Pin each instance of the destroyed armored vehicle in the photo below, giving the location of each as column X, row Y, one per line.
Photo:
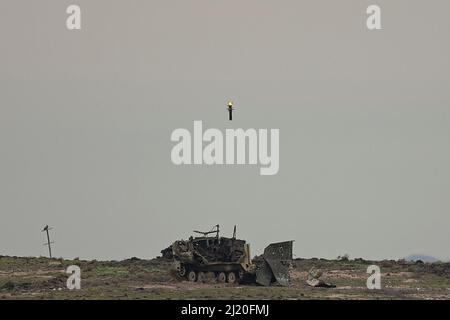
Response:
column 228, row 259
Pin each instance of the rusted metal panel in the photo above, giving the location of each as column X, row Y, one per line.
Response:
column 281, row 251
column 280, row 271
column 264, row 274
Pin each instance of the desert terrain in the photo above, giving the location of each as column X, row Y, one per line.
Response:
column 44, row 278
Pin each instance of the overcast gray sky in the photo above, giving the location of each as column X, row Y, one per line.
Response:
column 86, row 118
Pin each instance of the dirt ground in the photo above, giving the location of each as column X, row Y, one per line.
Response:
column 43, row 278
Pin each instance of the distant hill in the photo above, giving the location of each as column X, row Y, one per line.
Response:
column 424, row 258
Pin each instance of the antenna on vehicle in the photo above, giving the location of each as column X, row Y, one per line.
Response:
column 46, row 229
column 216, row 231
column 234, row 232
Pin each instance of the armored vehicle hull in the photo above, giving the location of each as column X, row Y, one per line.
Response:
column 228, row 260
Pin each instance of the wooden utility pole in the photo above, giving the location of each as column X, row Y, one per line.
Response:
column 46, row 229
